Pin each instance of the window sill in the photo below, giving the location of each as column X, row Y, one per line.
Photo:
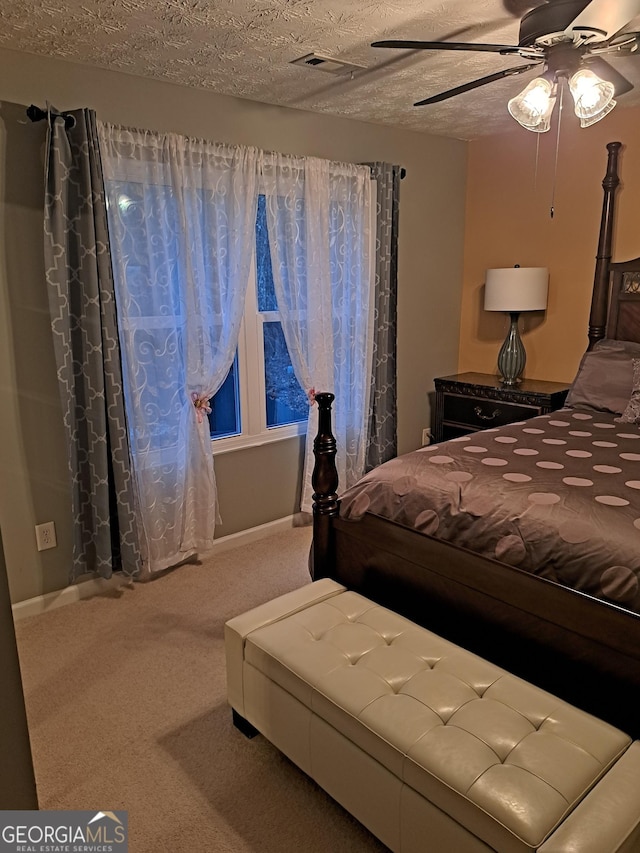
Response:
column 241, row 442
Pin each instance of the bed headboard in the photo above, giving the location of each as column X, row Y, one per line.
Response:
column 624, row 302
column 615, row 303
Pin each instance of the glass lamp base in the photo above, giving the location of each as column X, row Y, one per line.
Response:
column 512, row 356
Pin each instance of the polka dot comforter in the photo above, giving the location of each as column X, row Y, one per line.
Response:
column 557, row 495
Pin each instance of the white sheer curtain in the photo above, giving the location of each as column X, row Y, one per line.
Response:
column 319, row 217
column 182, row 218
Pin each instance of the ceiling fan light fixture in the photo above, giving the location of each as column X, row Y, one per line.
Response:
column 592, row 96
column 587, row 122
column 532, row 108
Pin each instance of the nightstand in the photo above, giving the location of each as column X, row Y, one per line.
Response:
column 468, row 402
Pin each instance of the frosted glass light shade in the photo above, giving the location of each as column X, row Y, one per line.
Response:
column 593, row 96
column 516, row 289
column 587, row 122
column 532, row 108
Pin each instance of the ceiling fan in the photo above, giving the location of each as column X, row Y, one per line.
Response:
column 569, row 39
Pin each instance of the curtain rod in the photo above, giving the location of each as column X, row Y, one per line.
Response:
column 38, row 114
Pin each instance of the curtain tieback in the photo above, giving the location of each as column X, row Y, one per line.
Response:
column 201, row 404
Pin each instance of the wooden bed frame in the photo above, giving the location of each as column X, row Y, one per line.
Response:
column 581, row 648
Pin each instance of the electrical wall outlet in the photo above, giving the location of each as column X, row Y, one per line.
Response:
column 426, row 436
column 46, row 535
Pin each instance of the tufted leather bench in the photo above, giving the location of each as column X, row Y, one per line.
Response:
column 429, row 746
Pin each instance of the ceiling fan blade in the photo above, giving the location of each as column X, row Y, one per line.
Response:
column 607, row 72
column 482, row 81
column 608, row 16
column 446, row 45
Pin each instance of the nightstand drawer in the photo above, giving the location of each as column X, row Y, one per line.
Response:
column 468, row 402
column 479, row 413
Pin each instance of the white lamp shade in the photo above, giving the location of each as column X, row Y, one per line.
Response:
column 516, row 289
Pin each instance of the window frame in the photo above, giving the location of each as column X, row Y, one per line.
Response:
column 251, row 380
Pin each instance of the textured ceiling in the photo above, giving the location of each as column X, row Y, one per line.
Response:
column 244, row 48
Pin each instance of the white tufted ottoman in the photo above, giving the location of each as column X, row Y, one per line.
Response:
column 429, row 746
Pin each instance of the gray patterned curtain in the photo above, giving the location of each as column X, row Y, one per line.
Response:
column 382, row 444
column 85, row 337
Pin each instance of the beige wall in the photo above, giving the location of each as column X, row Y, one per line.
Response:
column 33, row 476
column 508, row 222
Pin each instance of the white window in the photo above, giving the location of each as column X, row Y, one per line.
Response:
column 261, row 399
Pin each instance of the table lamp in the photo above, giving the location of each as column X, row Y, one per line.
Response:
column 512, row 290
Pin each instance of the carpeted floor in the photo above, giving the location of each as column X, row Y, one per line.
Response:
column 126, row 701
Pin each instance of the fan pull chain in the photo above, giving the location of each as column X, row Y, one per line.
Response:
column 535, row 171
column 555, row 167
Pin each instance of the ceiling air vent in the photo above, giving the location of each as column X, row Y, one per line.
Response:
column 326, row 63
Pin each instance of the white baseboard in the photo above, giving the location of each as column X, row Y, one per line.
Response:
column 244, row 537
column 98, row 586
column 60, row 597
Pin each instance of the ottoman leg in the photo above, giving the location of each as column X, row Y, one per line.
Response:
column 244, row 725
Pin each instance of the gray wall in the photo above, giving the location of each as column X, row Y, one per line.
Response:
column 33, row 473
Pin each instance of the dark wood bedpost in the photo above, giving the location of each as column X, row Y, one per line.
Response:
column 325, row 482
column 600, row 297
